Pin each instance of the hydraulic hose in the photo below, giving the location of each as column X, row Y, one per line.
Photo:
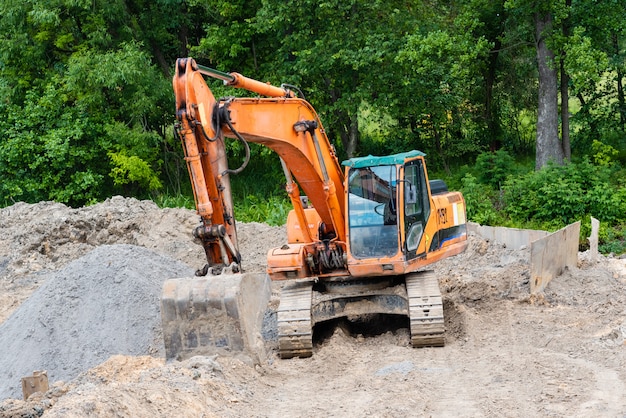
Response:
column 240, row 138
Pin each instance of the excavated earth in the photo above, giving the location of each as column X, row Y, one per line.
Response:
column 79, row 298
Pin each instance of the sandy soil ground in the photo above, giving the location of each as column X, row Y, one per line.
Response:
column 507, row 353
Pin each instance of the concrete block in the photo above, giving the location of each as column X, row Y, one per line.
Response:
column 593, row 239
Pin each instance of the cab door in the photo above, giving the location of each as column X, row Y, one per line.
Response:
column 416, row 209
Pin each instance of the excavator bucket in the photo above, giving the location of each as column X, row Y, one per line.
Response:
column 213, row 314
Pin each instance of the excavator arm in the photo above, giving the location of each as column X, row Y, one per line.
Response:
column 284, row 123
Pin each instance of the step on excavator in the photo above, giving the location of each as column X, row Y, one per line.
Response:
column 359, row 237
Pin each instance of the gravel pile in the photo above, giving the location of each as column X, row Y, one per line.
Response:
column 104, row 303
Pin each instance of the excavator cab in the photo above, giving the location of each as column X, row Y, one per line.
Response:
column 388, row 206
column 397, row 217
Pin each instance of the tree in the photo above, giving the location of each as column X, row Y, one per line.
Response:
column 492, row 16
column 595, row 63
column 542, row 14
column 573, row 41
column 549, row 146
column 84, row 105
column 564, row 89
column 442, row 66
column 341, row 53
column 87, row 100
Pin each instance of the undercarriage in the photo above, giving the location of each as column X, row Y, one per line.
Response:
column 305, row 303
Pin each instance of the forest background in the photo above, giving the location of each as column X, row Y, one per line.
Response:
column 518, row 103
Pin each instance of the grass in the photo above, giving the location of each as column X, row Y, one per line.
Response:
column 272, row 210
column 174, row 201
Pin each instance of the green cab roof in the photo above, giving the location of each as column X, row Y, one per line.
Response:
column 370, row 160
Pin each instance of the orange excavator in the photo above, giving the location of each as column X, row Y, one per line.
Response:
column 358, row 238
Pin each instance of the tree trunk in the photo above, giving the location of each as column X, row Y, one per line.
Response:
column 348, row 127
column 495, row 32
column 492, row 123
column 350, row 136
column 620, row 99
column 347, row 124
column 567, row 149
column 565, row 140
column 585, row 114
column 160, row 58
column 548, row 143
column 621, row 102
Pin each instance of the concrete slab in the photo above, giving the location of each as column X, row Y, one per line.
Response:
column 511, row 237
column 550, row 255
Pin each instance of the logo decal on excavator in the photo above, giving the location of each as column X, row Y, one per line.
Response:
column 443, row 215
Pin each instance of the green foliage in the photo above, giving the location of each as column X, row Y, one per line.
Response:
column 612, row 240
column 262, row 177
column 336, row 51
column 48, row 151
column 272, row 211
column 558, row 195
column 132, row 169
column 603, row 155
column 494, row 167
column 584, row 63
column 441, row 67
column 134, row 159
column 80, row 123
column 552, row 198
column 479, row 200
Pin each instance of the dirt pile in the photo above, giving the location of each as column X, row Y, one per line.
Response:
column 507, row 353
column 143, row 386
column 43, row 237
column 40, row 238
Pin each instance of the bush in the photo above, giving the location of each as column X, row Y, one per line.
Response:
column 612, row 240
column 128, row 170
column 494, row 167
column 478, row 199
column 558, row 195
